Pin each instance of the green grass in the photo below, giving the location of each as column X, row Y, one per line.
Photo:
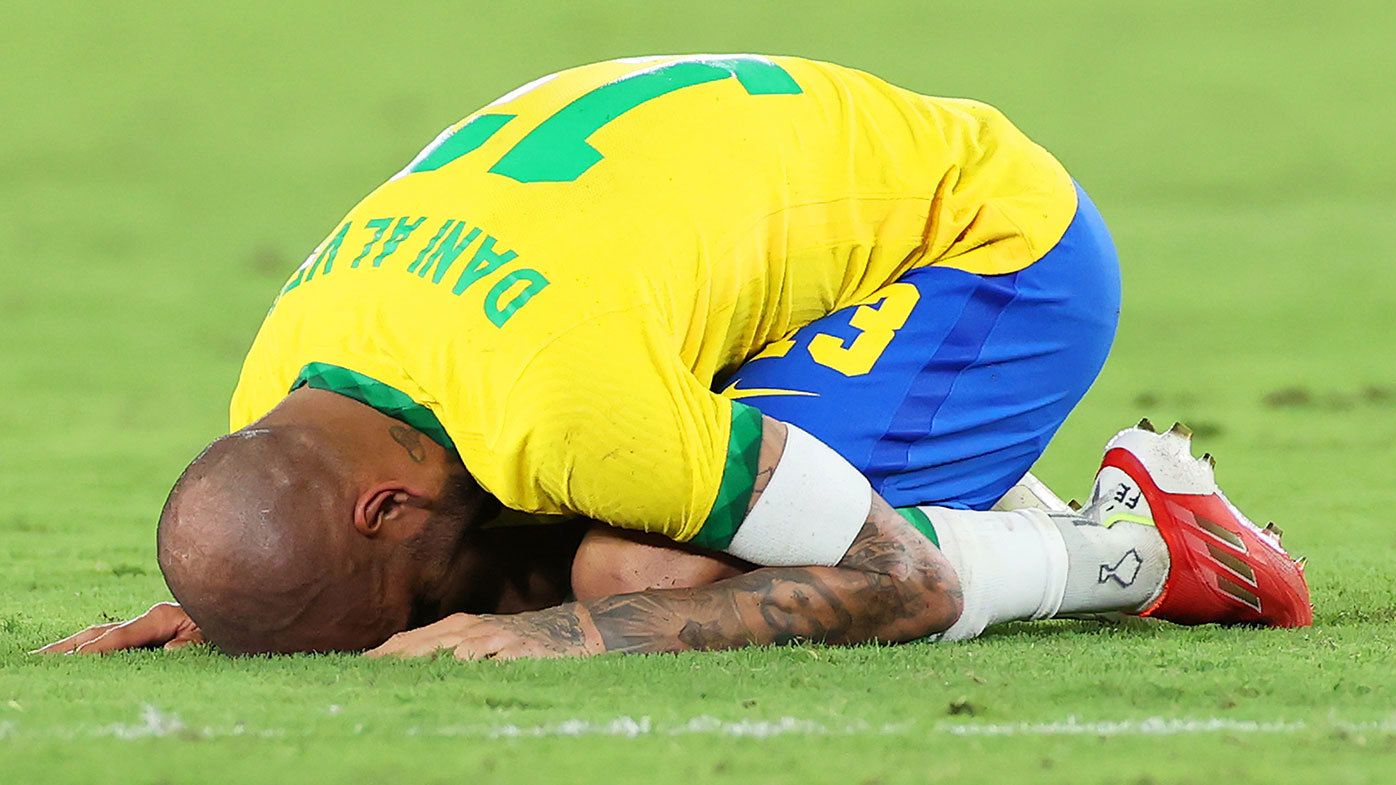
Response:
column 162, row 168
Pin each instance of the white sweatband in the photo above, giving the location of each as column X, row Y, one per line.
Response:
column 811, row 510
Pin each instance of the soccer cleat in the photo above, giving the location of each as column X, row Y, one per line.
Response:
column 1223, row 568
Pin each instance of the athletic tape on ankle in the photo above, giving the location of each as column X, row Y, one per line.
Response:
column 811, row 510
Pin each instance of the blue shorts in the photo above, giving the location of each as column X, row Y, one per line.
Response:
column 970, row 375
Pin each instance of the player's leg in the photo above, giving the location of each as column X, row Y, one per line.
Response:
column 943, row 389
column 972, row 377
column 947, row 386
column 1152, row 503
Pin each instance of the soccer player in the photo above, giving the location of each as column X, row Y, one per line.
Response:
column 805, row 325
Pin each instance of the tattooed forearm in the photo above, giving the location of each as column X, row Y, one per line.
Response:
column 411, row 441
column 893, row 585
column 629, row 622
column 557, row 628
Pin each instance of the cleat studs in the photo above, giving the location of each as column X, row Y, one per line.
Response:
column 1145, row 425
column 1301, row 563
column 1209, row 459
column 1181, row 430
column 1074, row 505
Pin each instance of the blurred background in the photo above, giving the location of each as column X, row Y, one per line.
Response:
column 163, row 166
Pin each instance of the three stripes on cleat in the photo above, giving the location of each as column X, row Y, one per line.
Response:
column 1271, row 531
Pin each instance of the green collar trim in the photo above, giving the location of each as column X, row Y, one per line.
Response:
column 369, row 391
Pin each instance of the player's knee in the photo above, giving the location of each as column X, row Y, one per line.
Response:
column 613, row 561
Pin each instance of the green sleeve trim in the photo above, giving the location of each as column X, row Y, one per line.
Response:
column 923, row 524
column 738, row 478
column 369, row 391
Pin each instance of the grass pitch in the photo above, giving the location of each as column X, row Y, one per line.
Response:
column 162, row 168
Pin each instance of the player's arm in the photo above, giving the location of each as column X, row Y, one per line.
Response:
column 618, row 561
column 891, row 584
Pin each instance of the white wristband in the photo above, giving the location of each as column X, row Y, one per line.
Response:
column 811, row 510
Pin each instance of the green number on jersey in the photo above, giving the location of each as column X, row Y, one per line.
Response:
column 556, row 151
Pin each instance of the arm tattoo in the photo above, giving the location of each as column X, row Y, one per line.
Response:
column 557, row 628
column 411, row 441
column 892, row 585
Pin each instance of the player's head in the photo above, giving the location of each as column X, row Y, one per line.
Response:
column 292, row 538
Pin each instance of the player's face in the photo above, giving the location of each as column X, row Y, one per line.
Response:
column 444, row 561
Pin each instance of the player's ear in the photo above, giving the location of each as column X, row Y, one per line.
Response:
column 389, row 509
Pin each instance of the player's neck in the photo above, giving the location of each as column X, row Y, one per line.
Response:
column 373, row 442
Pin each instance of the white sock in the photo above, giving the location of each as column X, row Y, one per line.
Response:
column 1012, row 566
column 1028, row 564
column 1116, row 568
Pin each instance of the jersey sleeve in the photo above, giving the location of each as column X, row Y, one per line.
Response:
column 607, row 422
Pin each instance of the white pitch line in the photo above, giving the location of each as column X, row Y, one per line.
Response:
column 154, row 723
column 1151, row 726
column 630, row 727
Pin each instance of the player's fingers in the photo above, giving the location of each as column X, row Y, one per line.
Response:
column 415, row 643
column 138, row 633
column 480, row 648
column 487, row 641
column 76, row 639
column 385, row 649
column 424, row 641
column 392, row 647
column 185, row 639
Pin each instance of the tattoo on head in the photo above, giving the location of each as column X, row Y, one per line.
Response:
column 411, row 441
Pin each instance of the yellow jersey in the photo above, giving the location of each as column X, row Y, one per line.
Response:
column 552, row 286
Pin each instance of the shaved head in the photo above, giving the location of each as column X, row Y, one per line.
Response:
column 291, row 538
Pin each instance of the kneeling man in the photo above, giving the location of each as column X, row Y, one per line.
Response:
column 805, row 325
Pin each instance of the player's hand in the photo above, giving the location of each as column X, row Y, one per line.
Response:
column 165, row 625
column 539, row 634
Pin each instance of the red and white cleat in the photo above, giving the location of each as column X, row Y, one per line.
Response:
column 1223, row 568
